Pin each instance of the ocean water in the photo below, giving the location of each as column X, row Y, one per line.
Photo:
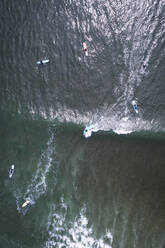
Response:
column 106, row 191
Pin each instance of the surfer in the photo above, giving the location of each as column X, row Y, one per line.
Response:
column 85, row 49
column 11, row 171
column 42, row 62
column 25, row 203
column 134, row 105
column 88, row 131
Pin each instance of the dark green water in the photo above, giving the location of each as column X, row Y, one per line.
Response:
column 81, row 190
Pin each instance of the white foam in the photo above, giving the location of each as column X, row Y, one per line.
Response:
column 38, row 185
column 74, row 234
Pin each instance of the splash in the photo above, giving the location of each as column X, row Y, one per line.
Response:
column 38, row 185
column 76, row 234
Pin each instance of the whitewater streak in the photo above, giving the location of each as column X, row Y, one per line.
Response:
column 104, row 119
column 75, row 234
column 38, row 185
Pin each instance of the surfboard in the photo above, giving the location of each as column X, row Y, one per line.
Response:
column 25, row 203
column 40, row 62
column 134, row 105
column 85, row 48
column 89, row 130
column 11, row 171
column 87, row 133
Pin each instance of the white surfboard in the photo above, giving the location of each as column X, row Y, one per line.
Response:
column 11, row 171
column 25, row 203
column 85, row 48
column 87, row 133
column 40, row 62
column 134, row 105
column 89, row 130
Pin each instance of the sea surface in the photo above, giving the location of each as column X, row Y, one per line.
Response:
column 105, row 191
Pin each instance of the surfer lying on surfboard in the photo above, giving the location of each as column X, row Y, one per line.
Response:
column 11, row 171
column 134, row 105
column 42, row 62
column 85, row 49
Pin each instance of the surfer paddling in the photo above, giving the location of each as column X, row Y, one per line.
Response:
column 134, row 105
column 42, row 62
column 11, row 171
column 85, row 48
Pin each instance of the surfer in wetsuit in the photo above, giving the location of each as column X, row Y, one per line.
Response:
column 42, row 62
column 85, row 48
column 134, row 105
column 11, row 171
